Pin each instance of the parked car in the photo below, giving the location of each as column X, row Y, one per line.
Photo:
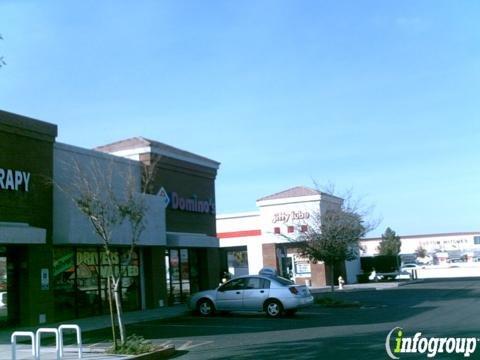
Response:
column 426, row 260
column 455, row 260
column 407, row 271
column 272, row 294
column 409, row 266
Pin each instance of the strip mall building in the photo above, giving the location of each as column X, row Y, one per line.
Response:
column 259, row 239
column 441, row 247
column 52, row 265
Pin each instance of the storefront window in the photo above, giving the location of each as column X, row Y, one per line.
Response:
column 302, row 267
column 64, row 283
column 237, row 261
column 80, row 281
column 130, row 280
column 88, row 299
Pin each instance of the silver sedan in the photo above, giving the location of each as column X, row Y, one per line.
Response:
column 272, row 294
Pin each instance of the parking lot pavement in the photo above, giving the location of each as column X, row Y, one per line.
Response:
column 436, row 308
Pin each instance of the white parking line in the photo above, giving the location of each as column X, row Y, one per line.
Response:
column 189, row 345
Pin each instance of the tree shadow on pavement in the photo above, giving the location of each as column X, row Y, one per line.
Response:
column 358, row 347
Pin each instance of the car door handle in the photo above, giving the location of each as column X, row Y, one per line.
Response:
column 238, row 292
column 262, row 291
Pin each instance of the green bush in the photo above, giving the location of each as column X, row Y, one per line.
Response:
column 362, row 278
column 134, row 345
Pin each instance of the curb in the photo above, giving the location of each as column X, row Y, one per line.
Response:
column 167, row 351
column 417, row 281
column 342, row 291
column 370, row 287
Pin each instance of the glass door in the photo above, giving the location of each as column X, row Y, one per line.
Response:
column 184, row 275
column 177, row 268
column 173, row 278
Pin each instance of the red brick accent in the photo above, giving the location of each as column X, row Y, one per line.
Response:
column 318, row 275
column 269, row 255
column 243, row 233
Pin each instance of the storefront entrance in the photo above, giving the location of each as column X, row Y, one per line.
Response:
column 181, row 270
column 10, row 284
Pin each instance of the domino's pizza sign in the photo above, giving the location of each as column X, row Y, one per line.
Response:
column 162, row 193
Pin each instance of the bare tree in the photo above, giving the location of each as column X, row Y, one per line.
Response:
column 333, row 235
column 107, row 206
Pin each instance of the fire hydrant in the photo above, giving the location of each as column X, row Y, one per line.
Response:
column 340, row 283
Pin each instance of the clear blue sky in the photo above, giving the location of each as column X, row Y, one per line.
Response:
column 378, row 96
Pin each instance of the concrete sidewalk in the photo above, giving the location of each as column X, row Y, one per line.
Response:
column 91, row 351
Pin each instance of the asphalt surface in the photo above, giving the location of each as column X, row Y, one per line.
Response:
column 442, row 308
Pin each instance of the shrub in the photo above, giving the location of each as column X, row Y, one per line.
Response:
column 134, row 345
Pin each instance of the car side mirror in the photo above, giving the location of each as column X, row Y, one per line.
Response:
column 221, row 288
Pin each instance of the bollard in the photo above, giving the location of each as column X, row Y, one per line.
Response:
column 63, row 327
column 38, row 339
column 13, row 340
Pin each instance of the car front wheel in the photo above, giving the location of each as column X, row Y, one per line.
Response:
column 273, row 308
column 205, row 307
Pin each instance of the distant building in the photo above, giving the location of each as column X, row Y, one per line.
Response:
column 259, row 239
column 452, row 245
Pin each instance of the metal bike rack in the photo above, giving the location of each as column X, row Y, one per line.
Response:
column 61, row 328
column 37, row 340
column 13, row 340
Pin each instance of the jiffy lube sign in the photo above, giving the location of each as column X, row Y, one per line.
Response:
column 285, row 217
column 15, row 180
column 192, row 204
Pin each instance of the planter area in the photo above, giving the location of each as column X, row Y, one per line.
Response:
column 163, row 353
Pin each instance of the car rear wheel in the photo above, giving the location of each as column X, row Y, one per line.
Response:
column 205, row 307
column 273, row 308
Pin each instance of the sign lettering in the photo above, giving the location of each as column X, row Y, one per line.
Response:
column 285, row 217
column 192, row 204
column 14, row 180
